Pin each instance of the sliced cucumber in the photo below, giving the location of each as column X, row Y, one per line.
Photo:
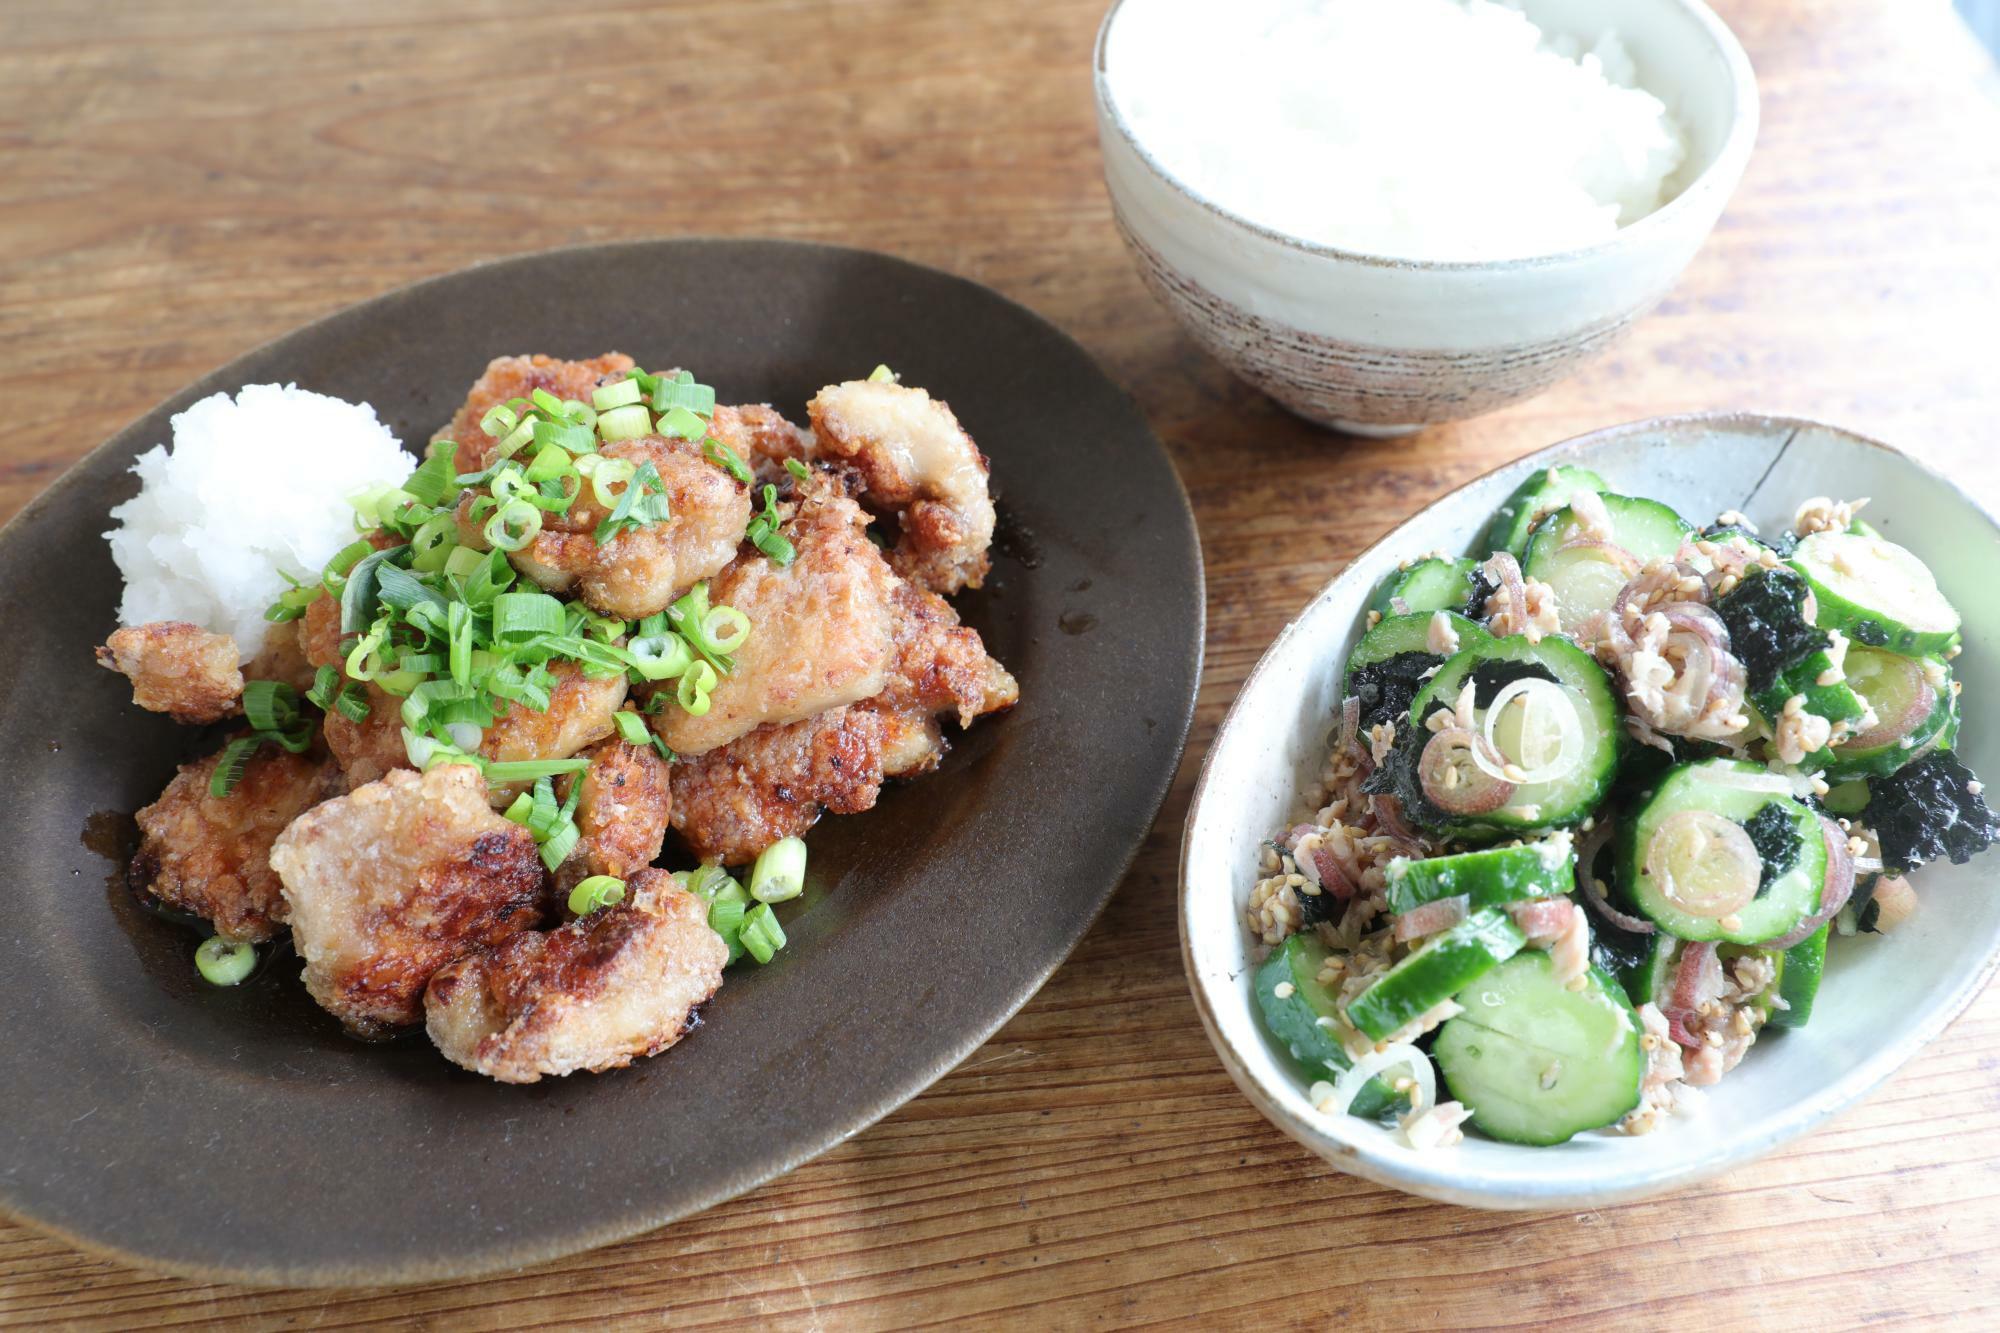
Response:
column 1534, row 499
column 1755, row 894
column 1648, row 981
column 1798, row 981
column 1537, row 1063
column 1388, row 666
column 1838, row 702
column 1447, row 963
column 1562, row 801
column 1884, row 680
column 1431, row 584
column 1292, row 1002
column 1586, row 580
column 1490, row 878
column 1880, row 594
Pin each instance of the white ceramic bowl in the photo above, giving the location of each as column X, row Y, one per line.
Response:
column 1381, row 345
column 1883, row 997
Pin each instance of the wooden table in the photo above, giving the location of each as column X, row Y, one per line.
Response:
column 180, row 181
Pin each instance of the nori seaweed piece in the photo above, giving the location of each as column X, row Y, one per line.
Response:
column 1497, row 673
column 1930, row 809
column 1768, row 629
column 1385, row 688
column 1774, row 832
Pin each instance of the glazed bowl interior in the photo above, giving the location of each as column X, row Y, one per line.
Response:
column 1883, row 996
column 1685, row 56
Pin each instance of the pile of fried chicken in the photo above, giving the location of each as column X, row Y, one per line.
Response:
column 412, row 900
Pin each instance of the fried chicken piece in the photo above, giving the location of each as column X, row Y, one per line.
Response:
column 510, row 377
column 282, row 658
column 641, row 570
column 761, row 437
column 819, row 629
column 603, row 990
column 391, row 882
column 178, row 669
column 941, row 667
column 733, row 802
column 579, row 714
column 621, row 813
column 211, row 855
column 582, row 711
column 920, row 465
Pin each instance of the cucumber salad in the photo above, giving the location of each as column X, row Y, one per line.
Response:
column 1600, row 794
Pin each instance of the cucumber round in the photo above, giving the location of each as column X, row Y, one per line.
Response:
column 1781, row 903
column 1885, row 690
column 1880, row 594
column 1434, row 583
column 1490, row 878
column 1292, row 1018
column 1445, row 964
column 1838, row 702
column 1387, row 667
column 1798, row 981
column 1652, row 975
column 1537, row 1063
column 1543, row 492
column 1567, row 800
column 1584, row 581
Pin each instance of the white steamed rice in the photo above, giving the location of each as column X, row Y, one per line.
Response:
column 250, row 487
column 1420, row 129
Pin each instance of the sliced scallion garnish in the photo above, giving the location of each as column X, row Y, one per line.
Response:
column 760, row 933
column 595, row 893
column 224, row 962
column 780, row 872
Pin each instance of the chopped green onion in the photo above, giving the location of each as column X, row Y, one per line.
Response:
column 780, row 872
column 270, row 705
column 489, row 579
column 551, row 464
column 229, row 769
column 695, row 684
column 618, row 394
column 683, row 392
column 760, row 933
column 525, row 770
column 797, row 469
column 398, row 683
column 432, row 544
column 357, row 595
column 722, row 454
column 463, row 560
column 643, row 501
column 881, row 375
column 224, row 962
column 518, row 811
column 352, row 702
column 725, row 918
column 515, row 440
column 333, row 577
column 632, row 728
column 559, row 845
column 596, row 893
column 513, row 525
column 681, row 424
column 364, row 660
column 520, row 616
column 434, row 481
column 401, row 590
column 572, row 436
column 604, row 473
column 763, row 530
column 326, row 684
column 499, row 420
column 725, row 628
column 625, row 423
column 548, row 403
column 660, row 656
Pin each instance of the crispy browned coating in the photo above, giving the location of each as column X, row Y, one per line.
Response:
column 941, row 667
column 761, row 437
column 641, row 570
column 509, row 377
column 579, row 713
column 621, row 812
column 919, row 464
column 603, row 990
column 178, row 669
column 211, row 855
column 732, row 803
column 391, row 882
column 819, row 629
column 282, row 658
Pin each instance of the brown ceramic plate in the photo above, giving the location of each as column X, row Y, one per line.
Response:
column 237, row 1133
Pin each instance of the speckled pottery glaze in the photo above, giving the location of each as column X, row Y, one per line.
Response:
column 1884, row 996
column 1377, row 345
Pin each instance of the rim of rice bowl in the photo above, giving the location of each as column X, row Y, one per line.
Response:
column 1734, row 148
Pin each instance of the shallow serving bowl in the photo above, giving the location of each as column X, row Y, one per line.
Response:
column 1380, row 345
column 1884, row 996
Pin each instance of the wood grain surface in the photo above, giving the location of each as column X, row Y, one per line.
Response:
column 181, row 181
